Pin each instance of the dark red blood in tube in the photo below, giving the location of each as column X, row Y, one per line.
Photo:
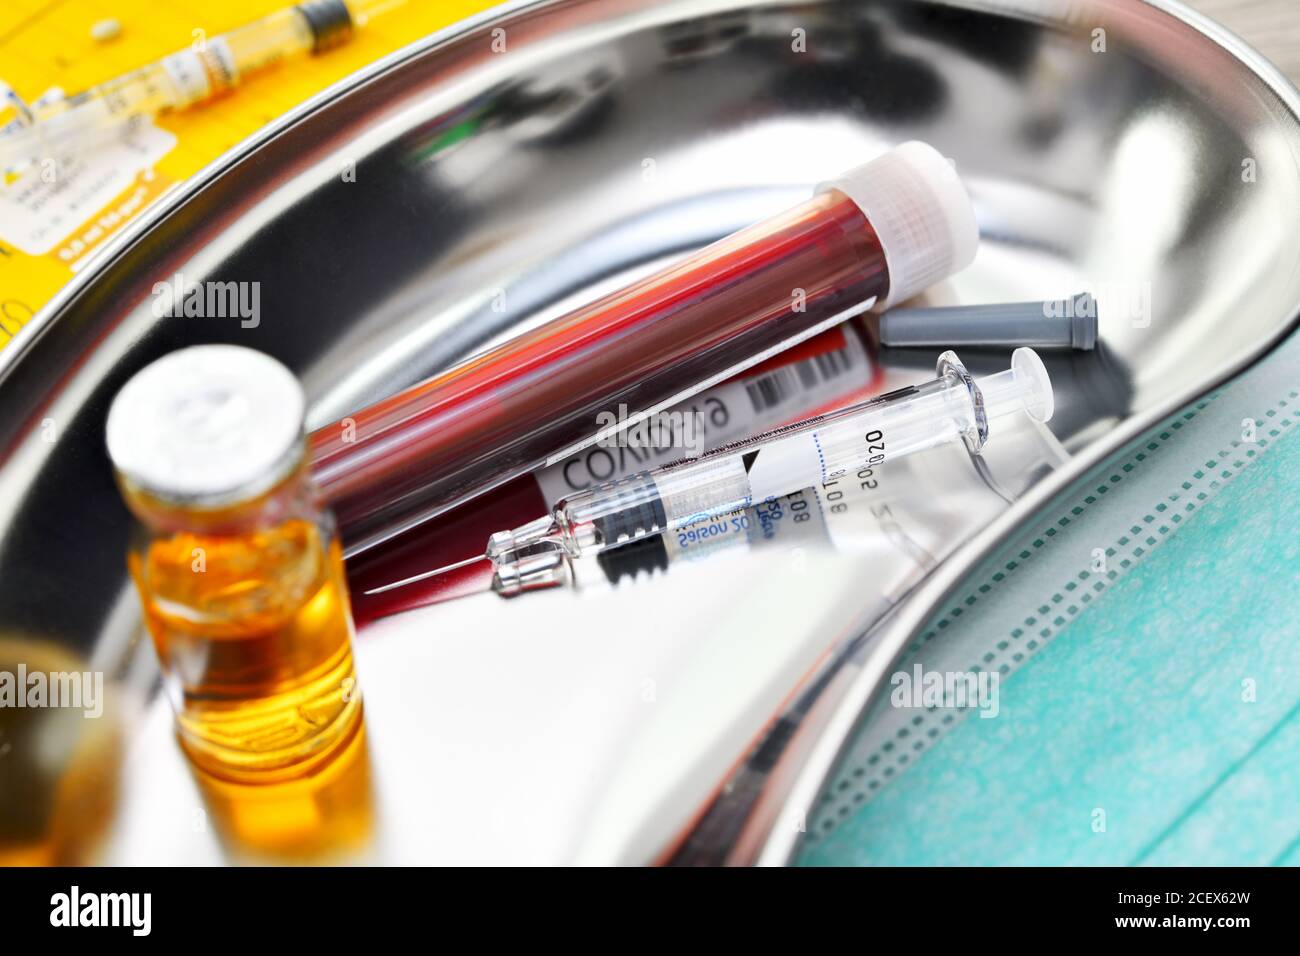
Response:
column 505, row 412
column 375, row 577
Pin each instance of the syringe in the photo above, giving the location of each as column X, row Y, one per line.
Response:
column 952, row 407
column 194, row 75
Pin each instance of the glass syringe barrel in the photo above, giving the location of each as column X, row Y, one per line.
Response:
column 953, row 407
column 883, row 232
column 213, row 65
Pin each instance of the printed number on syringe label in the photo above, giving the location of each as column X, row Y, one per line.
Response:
column 812, row 458
column 729, row 412
column 792, row 519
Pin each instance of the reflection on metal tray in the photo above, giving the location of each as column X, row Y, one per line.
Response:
column 1119, row 171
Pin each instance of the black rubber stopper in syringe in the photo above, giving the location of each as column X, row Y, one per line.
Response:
column 638, row 510
column 330, row 22
column 1064, row 323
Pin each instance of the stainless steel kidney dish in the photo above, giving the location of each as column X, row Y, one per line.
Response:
column 1131, row 148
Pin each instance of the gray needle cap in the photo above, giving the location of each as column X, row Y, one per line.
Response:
column 1064, row 323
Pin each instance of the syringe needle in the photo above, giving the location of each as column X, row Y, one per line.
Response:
column 425, row 575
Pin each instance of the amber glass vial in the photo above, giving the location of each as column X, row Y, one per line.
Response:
column 237, row 564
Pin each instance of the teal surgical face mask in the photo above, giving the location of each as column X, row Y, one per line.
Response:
column 1146, row 648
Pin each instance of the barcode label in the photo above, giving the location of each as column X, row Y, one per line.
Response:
column 738, row 408
column 784, row 383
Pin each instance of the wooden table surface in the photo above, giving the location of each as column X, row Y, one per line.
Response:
column 1270, row 26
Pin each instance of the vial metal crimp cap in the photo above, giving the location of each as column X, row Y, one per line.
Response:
column 207, row 426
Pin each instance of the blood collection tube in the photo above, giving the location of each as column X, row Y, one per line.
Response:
column 875, row 236
column 827, row 371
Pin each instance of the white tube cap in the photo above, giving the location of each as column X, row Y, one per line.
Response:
column 207, row 426
column 921, row 212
